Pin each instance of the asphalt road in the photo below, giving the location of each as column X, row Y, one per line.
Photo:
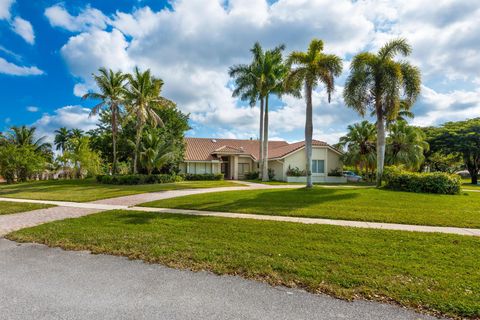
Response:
column 37, row 282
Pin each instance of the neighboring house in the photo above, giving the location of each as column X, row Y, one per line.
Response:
column 234, row 157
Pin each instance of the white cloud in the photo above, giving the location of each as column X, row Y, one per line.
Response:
column 24, row 29
column 13, row 69
column 192, row 46
column 88, row 51
column 5, row 6
column 436, row 107
column 87, row 19
column 32, row 109
column 71, row 117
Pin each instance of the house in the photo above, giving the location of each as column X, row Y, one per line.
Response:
column 234, row 158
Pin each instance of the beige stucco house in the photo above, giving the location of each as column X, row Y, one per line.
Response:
column 234, row 158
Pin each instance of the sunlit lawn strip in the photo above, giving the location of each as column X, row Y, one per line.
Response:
column 15, row 207
column 362, row 204
column 437, row 272
column 90, row 190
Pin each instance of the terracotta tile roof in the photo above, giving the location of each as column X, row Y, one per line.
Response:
column 289, row 148
column 207, row 149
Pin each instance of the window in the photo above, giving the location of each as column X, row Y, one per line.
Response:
column 318, row 166
column 243, row 168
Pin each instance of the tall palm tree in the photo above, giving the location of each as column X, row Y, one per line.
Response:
column 311, row 69
column 378, row 82
column 360, row 147
column 24, row 136
column 62, row 136
column 406, row 145
column 256, row 81
column 274, row 72
column 249, row 86
column 143, row 98
column 112, row 88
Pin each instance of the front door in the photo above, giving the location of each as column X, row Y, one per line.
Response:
column 224, row 168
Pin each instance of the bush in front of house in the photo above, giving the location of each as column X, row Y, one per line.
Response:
column 296, row 172
column 253, row 175
column 202, row 176
column 337, row 172
column 134, row 179
column 434, row 182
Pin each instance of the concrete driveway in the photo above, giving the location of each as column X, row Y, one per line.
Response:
column 37, row 282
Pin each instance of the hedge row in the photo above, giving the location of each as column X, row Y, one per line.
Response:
column 435, row 182
column 204, row 176
column 132, row 179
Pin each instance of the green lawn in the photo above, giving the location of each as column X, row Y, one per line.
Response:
column 15, row 207
column 436, row 272
column 90, row 190
column 356, row 184
column 364, row 204
column 467, row 184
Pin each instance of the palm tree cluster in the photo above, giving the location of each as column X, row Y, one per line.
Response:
column 377, row 83
column 269, row 73
column 405, row 146
column 134, row 96
column 23, row 155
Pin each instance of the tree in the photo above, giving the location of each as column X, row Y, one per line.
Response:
column 20, row 162
column 112, row 91
column 249, row 86
column 380, row 83
column 61, row 138
column 25, row 136
column 360, row 146
column 311, row 69
column 76, row 134
column 143, row 98
column 462, row 137
column 85, row 161
column 155, row 152
column 406, row 145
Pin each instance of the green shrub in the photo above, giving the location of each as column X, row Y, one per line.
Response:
column 296, row 172
column 337, row 172
column 435, row 182
column 252, row 175
column 133, row 179
column 202, row 176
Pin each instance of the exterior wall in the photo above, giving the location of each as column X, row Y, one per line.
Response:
column 277, row 166
column 299, row 159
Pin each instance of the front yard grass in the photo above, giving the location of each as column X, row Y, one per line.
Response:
column 362, row 204
column 90, row 190
column 435, row 272
column 16, row 207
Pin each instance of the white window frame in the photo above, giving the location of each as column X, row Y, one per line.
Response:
column 316, row 166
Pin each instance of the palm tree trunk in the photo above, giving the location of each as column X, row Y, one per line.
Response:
column 380, row 144
column 137, row 147
column 308, row 134
column 265, row 143
column 260, row 137
column 114, row 140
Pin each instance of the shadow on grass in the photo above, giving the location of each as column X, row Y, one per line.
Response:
column 275, row 201
column 142, row 218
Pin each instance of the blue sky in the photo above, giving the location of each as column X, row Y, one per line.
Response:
column 48, row 50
